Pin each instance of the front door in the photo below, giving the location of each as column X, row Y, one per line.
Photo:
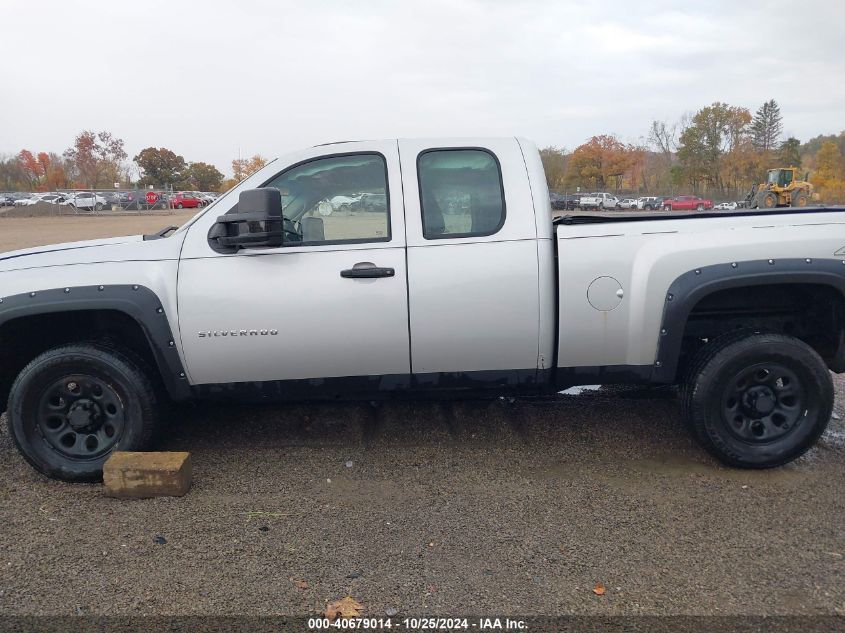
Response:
column 311, row 309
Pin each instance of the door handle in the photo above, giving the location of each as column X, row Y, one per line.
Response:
column 366, row 270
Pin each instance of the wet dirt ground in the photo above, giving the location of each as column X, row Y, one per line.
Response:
column 509, row 507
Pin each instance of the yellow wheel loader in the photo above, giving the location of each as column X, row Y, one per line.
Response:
column 781, row 189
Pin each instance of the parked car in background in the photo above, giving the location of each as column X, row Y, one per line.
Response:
column 28, row 200
column 687, row 203
column 207, row 198
column 86, row 200
column 573, row 201
column 650, row 203
column 628, row 203
column 372, row 202
column 557, row 201
column 184, row 200
column 6, row 200
column 344, row 203
column 599, row 201
column 725, row 206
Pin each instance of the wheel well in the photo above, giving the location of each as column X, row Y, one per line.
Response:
column 24, row 338
column 813, row 313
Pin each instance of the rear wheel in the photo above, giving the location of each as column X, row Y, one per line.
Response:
column 98, row 206
column 757, row 400
column 800, row 199
column 700, row 207
column 74, row 405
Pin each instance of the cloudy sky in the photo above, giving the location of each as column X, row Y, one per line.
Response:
column 211, row 79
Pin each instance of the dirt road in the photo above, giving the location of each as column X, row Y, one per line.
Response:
column 22, row 232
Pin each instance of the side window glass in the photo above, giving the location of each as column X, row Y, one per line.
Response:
column 460, row 193
column 336, row 199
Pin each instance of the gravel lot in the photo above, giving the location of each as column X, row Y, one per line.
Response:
column 506, row 507
column 462, row 508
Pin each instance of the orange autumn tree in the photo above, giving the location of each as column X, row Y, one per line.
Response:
column 604, row 161
column 30, row 168
column 829, row 176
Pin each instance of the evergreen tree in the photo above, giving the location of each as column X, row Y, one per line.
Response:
column 767, row 126
column 790, row 152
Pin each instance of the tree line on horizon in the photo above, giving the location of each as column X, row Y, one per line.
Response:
column 719, row 151
column 97, row 160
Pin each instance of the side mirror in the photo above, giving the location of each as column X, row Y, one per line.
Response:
column 256, row 223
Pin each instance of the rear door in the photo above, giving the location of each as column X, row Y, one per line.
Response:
column 472, row 263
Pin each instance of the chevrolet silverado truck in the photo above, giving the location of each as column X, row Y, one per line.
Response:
column 460, row 285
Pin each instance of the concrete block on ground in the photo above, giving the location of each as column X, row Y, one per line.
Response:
column 137, row 475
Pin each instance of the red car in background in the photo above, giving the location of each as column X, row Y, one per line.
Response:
column 183, row 200
column 687, row 203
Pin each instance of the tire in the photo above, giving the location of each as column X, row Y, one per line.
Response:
column 98, row 206
column 800, row 199
column 179, row 206
column 668, row 207
column 768, row 200
column 700, row 207
column 757, row 400
column 74, row 405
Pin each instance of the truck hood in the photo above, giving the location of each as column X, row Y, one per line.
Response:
column 113, row 249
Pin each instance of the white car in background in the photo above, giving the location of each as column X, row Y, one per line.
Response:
column 344, row 202
column 28, row 201
column 725, row 206
column 628, row 203
column 86, row 200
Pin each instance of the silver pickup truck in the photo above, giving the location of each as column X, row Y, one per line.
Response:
column 451, row 281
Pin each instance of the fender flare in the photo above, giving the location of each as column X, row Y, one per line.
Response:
column 691, row 287
column 136, row 301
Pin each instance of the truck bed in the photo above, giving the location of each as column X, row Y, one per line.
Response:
column 604, row 217
column 615, row 273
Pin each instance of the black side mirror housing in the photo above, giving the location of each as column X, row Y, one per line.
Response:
column 257, row 222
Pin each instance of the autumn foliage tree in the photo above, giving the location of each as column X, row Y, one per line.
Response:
column 554, row 164
column 244, row 167
column 829, row 175
column 97, row 158
column 713, row 145
column 603, row 162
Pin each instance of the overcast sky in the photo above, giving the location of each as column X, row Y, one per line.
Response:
column 212, row 79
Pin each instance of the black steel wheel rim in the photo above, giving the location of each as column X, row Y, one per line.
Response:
column 80, row 416
column 763, row 403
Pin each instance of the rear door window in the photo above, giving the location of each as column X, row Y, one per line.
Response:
column 461, row 193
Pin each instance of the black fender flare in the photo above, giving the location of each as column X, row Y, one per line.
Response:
column 691, row 287
column 136, row 301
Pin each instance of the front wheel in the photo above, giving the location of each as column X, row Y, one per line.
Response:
column 179, row 206
column 667, row 208
column 758, row 400
column 700, row 207
column 74, row 405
